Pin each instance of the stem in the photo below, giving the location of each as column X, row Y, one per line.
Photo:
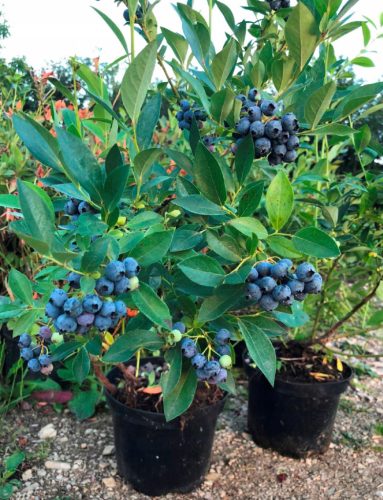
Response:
column 355, row 309
column 138, row 363
column 75, row 103
column 132, row 19
column 103, row 378
column 163, row 67
column 210, row 16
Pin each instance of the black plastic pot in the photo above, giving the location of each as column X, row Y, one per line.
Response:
column 12, row 351
column 159, row 457
column 294, row 419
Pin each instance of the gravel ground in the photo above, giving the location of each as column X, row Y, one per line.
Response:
column 78, row 460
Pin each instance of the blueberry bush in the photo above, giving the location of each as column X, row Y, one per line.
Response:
column 207, row 209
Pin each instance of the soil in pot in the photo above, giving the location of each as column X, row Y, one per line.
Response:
column 296, row 416
column 155, row 456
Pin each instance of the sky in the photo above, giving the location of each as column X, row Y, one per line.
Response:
column 55, row 30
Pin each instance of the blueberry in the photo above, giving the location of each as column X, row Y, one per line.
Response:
column 296, row 286
column 220, row 377
column 222, row 350
column 126, row 15
column 287, row 262
column 225, row 361
column 222, row 336
column 255, row 113
column 253, row 276
column 120, row 308
column 243, row 126
column 188, row 347
column 34, row 365
column 198, row 361
column 200, row 115
column 315, row 285
column 25, row 340
column 122, row 286
column 263, row 268
column 102, row 322
column 253, row 94
column 84, row 208
column 241, row 97
column 58, row 297
column 290, row 123
column 247, row 105
column 290, row 156
column 257, row 129
column 305, row 272
column 268, row 108
column 52, row 311
column 212, row 368
column 85, row 320
column 208, row 140
column 65, row 324
column 26, row 353
column 267, row 284
column 45, row 333
column 115, row 271
column 275, row 4
column 188, row 116
column 201, row 374
column 180, row 116
column 285, row 4
column 283, row 138
column 70, row 208
column 73, row 307
column 267, row 303
column 281, row 293
column 279, row 150
column 275, row 159
column 74, row 280
column 178, row 325
column 292, row 143
column 300, row 296
column 185, row 105
column 253, row 292
column 132, row 267
column 262, row 147
column 273, row 129
column 108, row 309
column 45, row 360
column 279, row 270
column 184, row 125
column 92, row 304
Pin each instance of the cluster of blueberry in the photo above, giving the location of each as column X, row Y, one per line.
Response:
column 212, row 371
column 74, row 208
column 273, row 137
column 271, row 285
column 278, row 4
column 185, row 116
column 80, row 314
column 138, row 17
column 37, row 355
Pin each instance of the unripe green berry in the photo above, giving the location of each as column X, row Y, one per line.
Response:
column 96, row 275
column 57, row 338
column 225, row 361
column 134, row 283
column 121, row 221
column 177, row 335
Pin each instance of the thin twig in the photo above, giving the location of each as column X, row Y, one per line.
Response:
column 102, row 377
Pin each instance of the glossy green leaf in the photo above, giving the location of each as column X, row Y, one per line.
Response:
column 185, row 239
column 225, row 297
column 95, row 255
column 244, row 158
column 153, row 247
column 224, row 245
column 20, row 286
column 222, row 103
column 144, row 161
column 356, row 99
column 149, row 303
column 250, row 199
column 249, row 226
column 147, row 121
column 332, row 129
column 318, row 103
column 202, row 269
column 64, row 350
column 279, row 200
column 114, row 187
column 283, row 246
column 125, row 346
column 208, row 175
column 81, row 365
column 170, row 379
column 223, row 63
column 316, row 243
column 177, row 43
column 83, row 405
column 181, row 397
column 116, row 30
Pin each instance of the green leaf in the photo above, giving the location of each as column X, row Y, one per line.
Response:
column 363, row 61
column 244, row 158
column 297, row 319
column 356, row 99
column 148, row 302
column 195, row 84
column 376, row 319
column 208, row 175
column 9, row 201
column 302, row 34
column 177, row 42
column 64, row 350
column 147, row 121
column 222, row 103
column 249, row 226
column 81, row 365
column 12, row 462
column 170, row 379
column 223, row 63
column 80, row 166
column 279, row 200
column 316, row 243
column 181, row 397
column 116, row 30
column 318, row 103
column 144, row 161
column 114, row 187
column 283, row 247
column 227, row 14
column 38, row 211
column 332, row 129
column 125, row 346
column 224, row 245
column 260, row 348
column 195, row 31
column 224, row 298
column 41, row 144
column 137, row 79
column 83, row 405
column 198, row 204
column 93, row 257
column 182, row 160
column 20, row 286
column 250, row 199
column 363, row 138
column 153, row 247
column 185, row 239
column 202, row 269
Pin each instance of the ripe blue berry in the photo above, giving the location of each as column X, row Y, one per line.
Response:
column 253, row 292
column 275, row 159
column 257, row 129
column 102, row 322
column 253, row 276
column 253, row 94
column 212, row 368
column 241, row 97
column 122, row 286
column 115, row 271
column 268, row 108
column 45, row 360
column 201, row 375
column 315, row 285
column 267, row 284
column 273, row 129
column 108, row 309
column 52, row 311
column 243, row 126
column 185, row 105
column 178, row 325
column 85, row 320
column 26, row 353
column 296, row 286
column 281, row 293
column 300, row 296
column 92, row 304
column 200, row 115
column 262, row 147
column 58, row 297
column 223, row 350
column 290, row 123
column 132, row 267
column 220, row 377
column 180, row 116
column 188, row 347
column 279, row 150
column 279, row 270
column 267, row 303
column 65, row 324
column 222, row 336
column 188, row 116
column 120, row 309
column 263, row 268
column 74, row 280
column 73, row 307
column 288, row 263
column 198, row 361
column 184, row 125
column 45, row 333
column 84, row 208
column 290, row 156
column 70, row 208
column 25, row 340
column 305, row 272
column 292, row 143
column 104, row 287
column 275, row 4
column 34, row 365
column 255, row 114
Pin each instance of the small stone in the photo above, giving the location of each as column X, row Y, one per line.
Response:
column 27, row 475
column 109, row 482
column 52, row 464
column 108, row 450
column 48, row 432
column 213, row 476
column 83, row 446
